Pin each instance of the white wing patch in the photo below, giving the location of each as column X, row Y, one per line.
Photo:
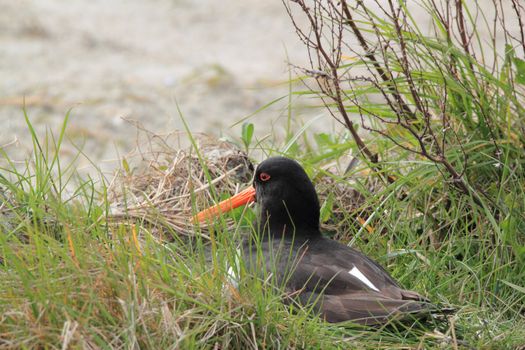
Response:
column 232, row 275
column 359, row 275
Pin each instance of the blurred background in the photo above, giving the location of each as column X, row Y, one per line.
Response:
column 112, row 61
column 109, row 61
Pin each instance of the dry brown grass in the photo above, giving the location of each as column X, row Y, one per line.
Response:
column 161, row 187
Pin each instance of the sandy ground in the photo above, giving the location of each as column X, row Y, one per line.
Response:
column 109, row 60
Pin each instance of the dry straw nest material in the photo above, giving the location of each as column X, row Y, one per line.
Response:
column 164, row 181
column 348, row 208
column 161, row 190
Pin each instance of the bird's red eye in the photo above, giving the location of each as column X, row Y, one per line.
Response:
column 264, row 176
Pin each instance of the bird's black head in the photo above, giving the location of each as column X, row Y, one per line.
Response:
column 287, row 198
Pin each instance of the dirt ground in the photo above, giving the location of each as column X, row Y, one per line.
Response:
column 109, row 60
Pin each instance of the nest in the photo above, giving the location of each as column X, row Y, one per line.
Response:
column 348, row 207
column 162, row 191
column 168, row 184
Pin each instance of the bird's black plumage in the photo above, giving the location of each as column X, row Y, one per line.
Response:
column 341, row 283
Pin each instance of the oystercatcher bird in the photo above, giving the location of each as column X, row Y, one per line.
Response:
column 340, row 283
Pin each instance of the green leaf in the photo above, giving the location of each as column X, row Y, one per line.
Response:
column 520, row 70
column 515, row 286
column 247, row 133
column 125, row 165
column 327, row 208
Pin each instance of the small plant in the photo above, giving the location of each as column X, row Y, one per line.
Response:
column 246, row 135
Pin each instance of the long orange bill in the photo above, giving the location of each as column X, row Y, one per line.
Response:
column 244, row 197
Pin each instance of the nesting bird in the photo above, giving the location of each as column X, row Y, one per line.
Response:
column 340, row 282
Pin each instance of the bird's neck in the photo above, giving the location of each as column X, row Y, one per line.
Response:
column 285, row 224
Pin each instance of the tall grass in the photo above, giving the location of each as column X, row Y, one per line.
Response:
column 72, row 280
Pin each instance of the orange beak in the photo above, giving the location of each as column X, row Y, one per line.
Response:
column 244, row 197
